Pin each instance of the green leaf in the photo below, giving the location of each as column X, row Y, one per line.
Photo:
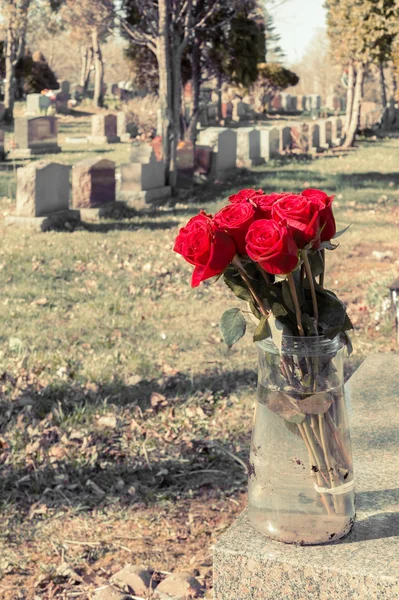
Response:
column 279, row 310
column 237, row 285
column 254, row 310
column 339, row 233
column 328, row 246
column 316, row 263
column 263, row 330
column 287, row 296
column 232, row 326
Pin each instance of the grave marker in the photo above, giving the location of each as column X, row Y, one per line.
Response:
column 103, row 129
column 248, row 147
column 35, row 135
column 223, row 142
column 143, row 179
column 93, row 187
column 42, row 195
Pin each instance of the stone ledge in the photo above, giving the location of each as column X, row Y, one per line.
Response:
column 44, row 223
column 362, row 566
column 100, row 212
column 137, row 199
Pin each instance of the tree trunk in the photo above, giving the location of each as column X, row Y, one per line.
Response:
column 98, row 70
column 357, row 100
column 383, row 89
column 9, row 88
column 86, row 57
column 176, row 94
column 349, row 95
column 191, row 133
column 219, row 93
column 165, row 86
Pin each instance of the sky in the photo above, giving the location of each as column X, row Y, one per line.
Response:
column 297, row 21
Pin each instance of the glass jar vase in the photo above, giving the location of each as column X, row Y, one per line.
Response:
column 301, row 482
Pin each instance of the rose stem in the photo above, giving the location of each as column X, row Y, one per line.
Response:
column 309, row 274
column 328, row 459
column 319, row 460
column 313, row 424
column 265, row 275
column 237, row 263
column 316, row 476
column 295, row 300
column 321, row 278
column 337, row 435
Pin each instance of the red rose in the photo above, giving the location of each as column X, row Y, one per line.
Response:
column 244, row 195
column 204, row 246
column 265, row 203
column 235, row 219
column 301, row 214
column 272, row 246
column 326, row 214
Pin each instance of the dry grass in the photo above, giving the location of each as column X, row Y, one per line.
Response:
column 121, row 410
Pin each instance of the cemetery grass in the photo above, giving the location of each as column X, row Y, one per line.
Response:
column 125, row 421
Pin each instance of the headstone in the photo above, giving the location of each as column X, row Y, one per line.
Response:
column 294, row 103
column 269, row 142
column 285, row 138
column 143, row 179
column 93, row 183
column 223, row 142
column 248, row 147
column 325, row 133
column 334, row 131
column 277, row 102
column 2, row 110
column 185, row 159
column 125, row 131
column 36, row 104
column 239, row 110
column 2, row 151
column 227, row 110
column 35, row 135
column 42, row 196
column 103, row 129
column 203, row 159
column 212, row 112
column 286, row 102
column 114, row 89
column 314, row 135
column 65, row 87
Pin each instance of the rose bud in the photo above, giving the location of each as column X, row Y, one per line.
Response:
column 204, row 246
column 302, row 215
column 244, row 195
column 327, row 221
column 235, row 219
column 272, row 246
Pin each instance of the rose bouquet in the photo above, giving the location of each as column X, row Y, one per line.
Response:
column 270, row 250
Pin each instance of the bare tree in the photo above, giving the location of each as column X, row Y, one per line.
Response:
column 165, row 27
column 90, row 21
column 15, row 17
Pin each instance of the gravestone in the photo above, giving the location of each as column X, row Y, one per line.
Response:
column 93, row 187
column 294, row 103
column 286, row 102
column 364, row 564
column 203, row 159
column 212, row 112
column 143, row 179
column 227, row 110
column 185, row 159
column 301, row 102
column 285, row 138
column 277, row 103
column 314, row 135
column 269, row 142
column 125, row 131
column 65, row 87
column 37, row 104
column 2, row 151
column 240, row 110
column 325, row 133
column 2, row 110
column 103, row 129
column 248, row 147
column 42, row 195
column 35, row 135
column 223, row 142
